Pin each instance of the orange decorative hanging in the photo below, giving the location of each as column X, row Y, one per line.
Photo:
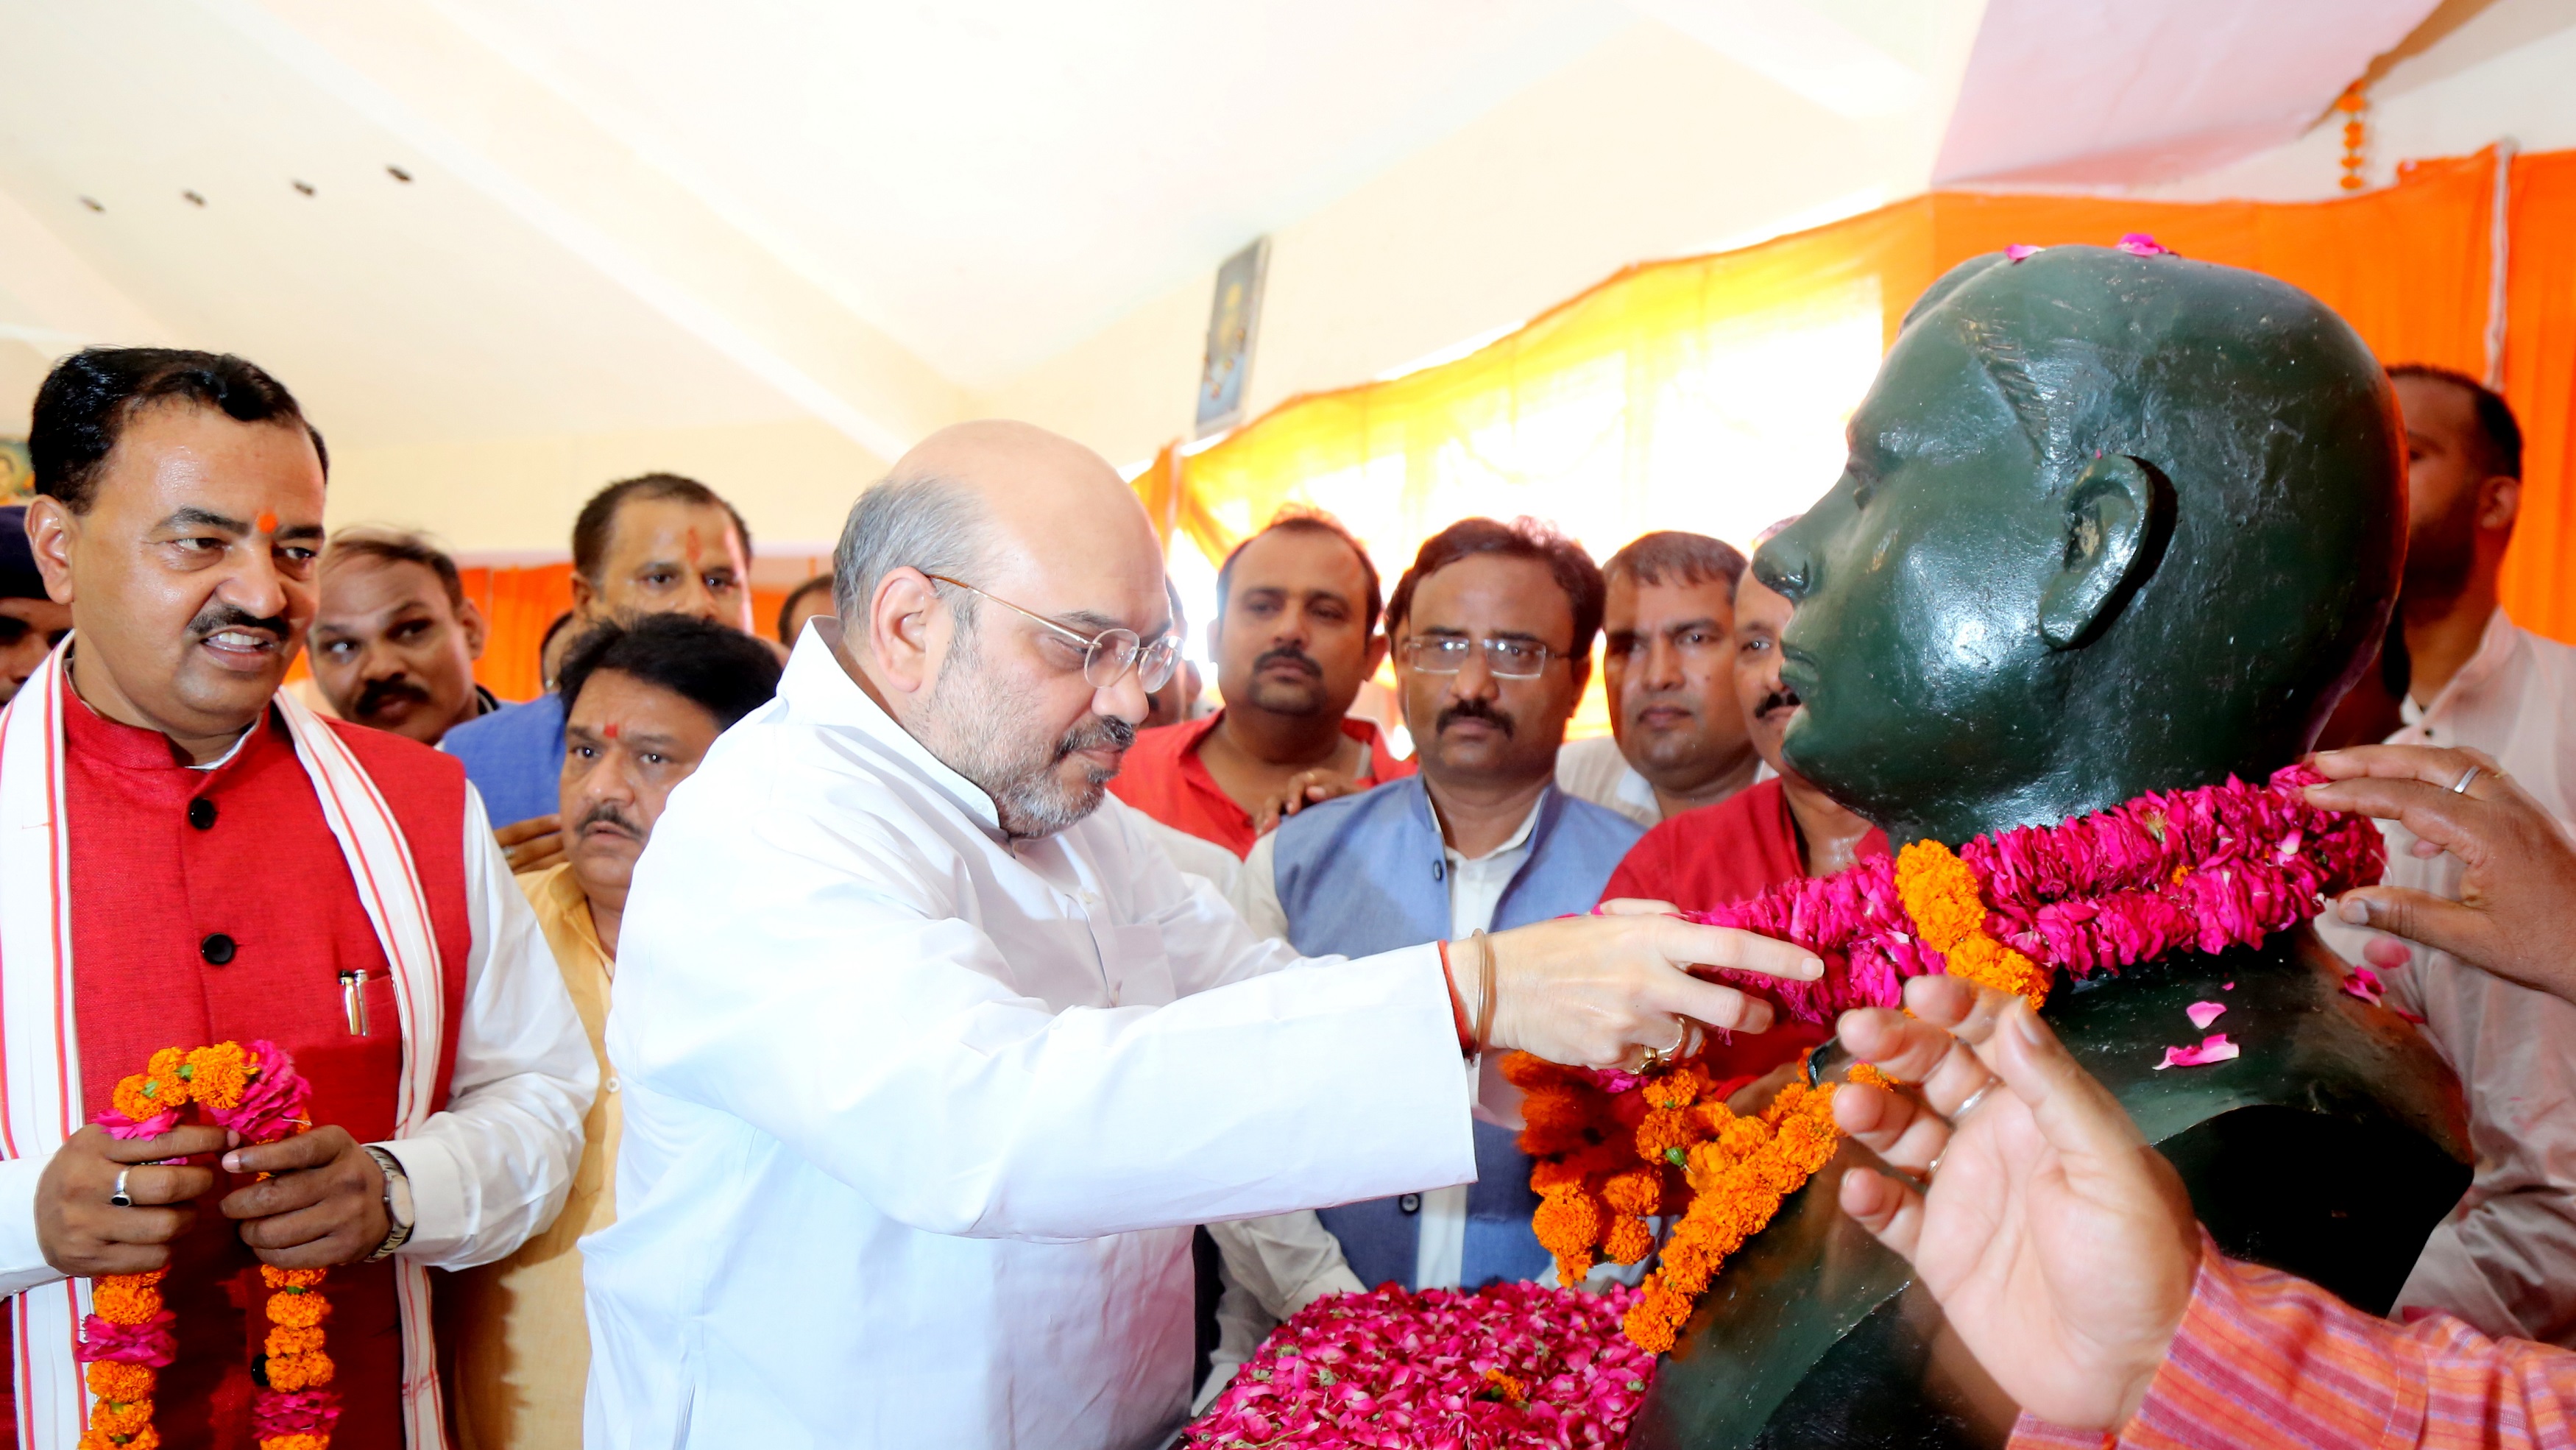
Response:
column 1942, row 898
column 2353, row 103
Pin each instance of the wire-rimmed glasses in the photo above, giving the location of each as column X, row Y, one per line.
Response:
column 1106, row 656
column 1446, row 654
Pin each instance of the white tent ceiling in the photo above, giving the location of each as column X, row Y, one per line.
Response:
column 647, row 213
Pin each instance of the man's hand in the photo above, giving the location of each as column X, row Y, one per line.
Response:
column 2060, row 1245
column 84, row 1235
column 533, row 844
column 1305, row 788
column 325, row 1206
column 1594, row 991
column 2516, row 916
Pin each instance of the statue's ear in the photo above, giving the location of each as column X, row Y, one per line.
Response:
column 2110, row 516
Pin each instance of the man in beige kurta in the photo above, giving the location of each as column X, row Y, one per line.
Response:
column 643, row 705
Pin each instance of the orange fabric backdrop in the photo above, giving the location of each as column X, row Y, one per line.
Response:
column 2408, row 266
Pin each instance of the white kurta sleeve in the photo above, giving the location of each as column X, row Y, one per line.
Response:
column 497, row 1164
column 22, row 1254
column 848, row 1002
column 1256, row 890
column 1286, row 1261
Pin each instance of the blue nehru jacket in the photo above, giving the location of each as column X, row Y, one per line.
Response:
column 515, row 758
column 1367, row 874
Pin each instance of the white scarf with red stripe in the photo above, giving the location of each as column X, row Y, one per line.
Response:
column 40, row 1073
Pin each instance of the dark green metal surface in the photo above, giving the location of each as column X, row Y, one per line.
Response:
column 2113, row 524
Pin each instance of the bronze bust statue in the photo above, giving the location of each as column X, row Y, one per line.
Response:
column 2112, row 523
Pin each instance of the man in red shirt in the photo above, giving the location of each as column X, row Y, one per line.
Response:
column 1294, row 637
column 1777, row 829
column 195, row 858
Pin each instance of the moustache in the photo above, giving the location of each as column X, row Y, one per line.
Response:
column 1471, row 710
column 1782, row 698
column 216, row 618
column 607, row 813
column 1288, row 655
column 1098, row 732
column 382, row 692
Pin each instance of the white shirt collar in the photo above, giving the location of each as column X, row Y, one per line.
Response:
column 1519, row 838
column 818, row 691
column 2494, row 645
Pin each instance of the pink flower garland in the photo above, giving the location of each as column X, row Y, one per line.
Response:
column 1509, row 1365
column 2208, row 869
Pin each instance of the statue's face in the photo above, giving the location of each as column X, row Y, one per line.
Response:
column 1915, row 642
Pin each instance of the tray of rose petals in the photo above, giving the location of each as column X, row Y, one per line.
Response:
column 1512, row 1364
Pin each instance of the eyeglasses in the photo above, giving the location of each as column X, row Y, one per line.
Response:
column 1507, row 659
column 1106, row 656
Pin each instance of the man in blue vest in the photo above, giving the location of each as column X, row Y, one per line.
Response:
column 1493, row 629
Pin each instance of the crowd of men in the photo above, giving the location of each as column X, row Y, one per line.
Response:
column 916, row 768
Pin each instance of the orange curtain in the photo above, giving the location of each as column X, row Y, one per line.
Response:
column 2540, row 382
column 517, row 604
column 1597, row 413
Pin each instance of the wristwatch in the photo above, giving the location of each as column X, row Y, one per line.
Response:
column 398, row 1206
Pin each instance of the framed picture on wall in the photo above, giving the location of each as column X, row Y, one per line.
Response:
column 1234, row 319
column 17, row 472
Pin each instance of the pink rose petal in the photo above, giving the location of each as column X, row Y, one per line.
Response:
column 2203, row 1013
column 2018, row 250
column 2139, row 244
column 2213, row 1048
column 2227, row 986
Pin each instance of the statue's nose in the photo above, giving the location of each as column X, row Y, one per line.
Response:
column 1784, row 568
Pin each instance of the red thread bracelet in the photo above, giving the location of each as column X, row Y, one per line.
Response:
column 1457, row 1006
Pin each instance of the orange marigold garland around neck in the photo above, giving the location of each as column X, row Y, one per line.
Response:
column 255, row 1091
column 2204, row 870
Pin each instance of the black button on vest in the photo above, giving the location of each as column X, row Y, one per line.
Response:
column 1410, row 1203
column 201, row 814
column 216, row 949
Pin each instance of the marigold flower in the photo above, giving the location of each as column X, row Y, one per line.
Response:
column 115, row 1380
column 1676, row 1089
column 146, row 1438
column 139, row 1097
column 294, row 1442
column 219, row 1074
column 1628, row 1241
column 1530, row 1072
column 277, row 1278
column 293, row 1372
column 1568, row 1223
column 120, row 1420
column 1662, row 1129
column 297, row 1311
column 1636, row 1192
column 119, row 1300
column 283, row 1341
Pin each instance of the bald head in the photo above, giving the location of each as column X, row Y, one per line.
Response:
column 1001, row 505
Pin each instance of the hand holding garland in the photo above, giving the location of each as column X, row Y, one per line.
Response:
column 2061, row 1247
column 322, row 1203
column 2516, row 914
column 1596, row 991
column 84, row 1235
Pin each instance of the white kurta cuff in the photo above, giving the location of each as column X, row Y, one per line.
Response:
column 22, row 1255
column 439, row 1218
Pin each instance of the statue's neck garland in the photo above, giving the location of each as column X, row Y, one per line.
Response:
column 2206, row 869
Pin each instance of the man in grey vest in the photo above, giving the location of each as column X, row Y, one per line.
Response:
column 1493, row 629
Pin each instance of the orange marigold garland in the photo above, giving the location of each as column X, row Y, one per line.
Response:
column 255, row 1091
column 1616, row 1151
column 1942, row 898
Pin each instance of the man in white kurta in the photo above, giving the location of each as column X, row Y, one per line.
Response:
column 921, row 1098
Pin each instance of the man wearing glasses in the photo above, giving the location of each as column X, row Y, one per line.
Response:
column 1493, row 629
column 930, row 1059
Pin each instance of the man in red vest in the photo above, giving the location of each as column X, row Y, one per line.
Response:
column 1778, row 829
column 194, row 858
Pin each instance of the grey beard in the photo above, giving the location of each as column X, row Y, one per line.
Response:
column 974, row 724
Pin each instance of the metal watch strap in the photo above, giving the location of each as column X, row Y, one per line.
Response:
column 397, row 1233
